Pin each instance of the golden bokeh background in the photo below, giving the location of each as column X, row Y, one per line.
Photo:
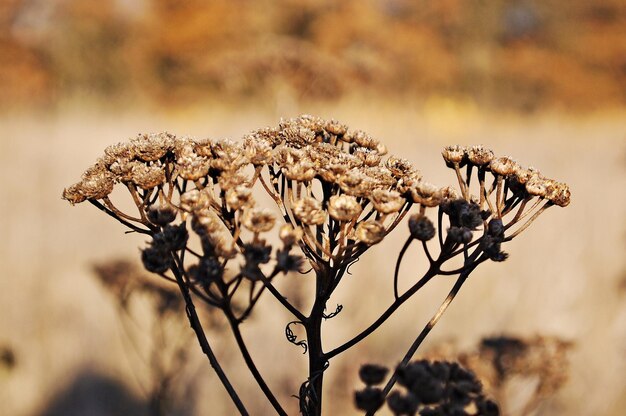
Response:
column 543, row 81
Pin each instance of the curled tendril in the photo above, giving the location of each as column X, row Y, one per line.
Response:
column 333, row 314
column 291, row 337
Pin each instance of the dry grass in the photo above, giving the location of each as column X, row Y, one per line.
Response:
column 562, row 280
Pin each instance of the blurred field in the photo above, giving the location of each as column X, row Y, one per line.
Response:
column 542, row 81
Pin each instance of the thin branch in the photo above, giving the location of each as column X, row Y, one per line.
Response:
column 196, row 325
column 234, row 325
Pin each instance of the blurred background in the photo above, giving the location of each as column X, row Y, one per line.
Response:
column 542, row 81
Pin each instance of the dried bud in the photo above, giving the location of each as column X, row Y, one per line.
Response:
column 479, row 155
column 372, row 374
column 403, row 404
column 344, row 207
column 309, row 211
column 286, row 262
column 156, row 259
column 370, row 232
column 421, row 227
column 161, row 215
column 369, row 399
column 259, row 220
column 460, row 235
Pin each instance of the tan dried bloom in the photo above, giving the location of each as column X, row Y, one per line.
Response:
column 427, row 194
column 228, row 155
column 401, row 168
column 148, row 177
column 386, row 202
column 309, row 211
column 191, row 166
column 306, row 121
column 503, row 166
column 96, row 183
column 298, row 136
column 365, row 140
column 268, row 134
column 479, row 155
column 194, row 200
column 302, row 171
column 153, row 146
column 453, row 154
column 232, row 179
column 336, row 128
column 355, row 182
column 558, row 193
column 259, row 220
column 73, row 194
column 537, row 186
column 290, row 235
column 287, row 156
column 370, row 232
column 117, row 152
column 204, row 148
column 205, row 222
column 258, row 151
column 124, row 169
column 238, row 197
column 224, row 248
column 367, row 156
column 344, row 207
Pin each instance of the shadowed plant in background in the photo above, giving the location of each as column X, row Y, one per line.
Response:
column 337, row 194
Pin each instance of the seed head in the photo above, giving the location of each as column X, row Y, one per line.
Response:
column 97, row 183
column 148, row 177
column 290, row 235
column 537, row 186
column 153, row 146
column 73, row 194
column 421, row 227
column 453, row 154
column 479, row 155
column 205, row 222
column 386, row 202
column 259, row 220
column 336, row 128
column 238, row 197
column 257, row 150
column 370, row 232
column 344, row 207
column 372, row 374
column 161, row 215
column 558, row 193
column 503, row 166
column 309, row 211
column 191, row 166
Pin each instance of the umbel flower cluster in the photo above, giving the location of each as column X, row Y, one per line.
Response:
column 336, row 193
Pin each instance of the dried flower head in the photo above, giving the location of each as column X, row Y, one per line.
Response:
column 309, row 211
column 370, row 232
column 453, row 154
column 290, row 235
column 344, row 207
column 386, row 201
column 479, row 155
column 503, row 166
column 259, row 220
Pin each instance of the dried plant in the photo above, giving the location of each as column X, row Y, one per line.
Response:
column 160, row 358
column 337, row 194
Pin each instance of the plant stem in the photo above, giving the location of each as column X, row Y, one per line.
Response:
column 196, row 325
column 234, row 324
